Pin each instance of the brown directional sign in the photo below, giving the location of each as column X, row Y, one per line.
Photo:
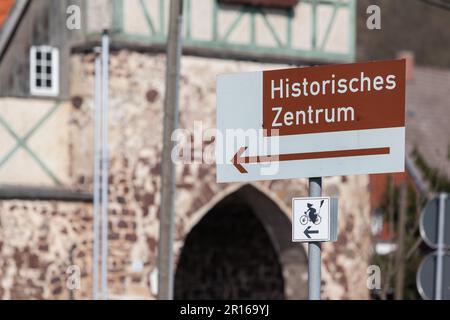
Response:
column 331, row 98
column 311, row 121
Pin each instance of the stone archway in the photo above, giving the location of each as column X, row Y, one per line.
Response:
column 242, row 249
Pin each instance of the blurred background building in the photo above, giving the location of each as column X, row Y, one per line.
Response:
column 232, row 240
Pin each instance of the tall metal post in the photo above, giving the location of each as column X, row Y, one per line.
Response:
column 105, row 160
column 168, row 174
column 314, row 249
column 440, row 246
column 97, row 168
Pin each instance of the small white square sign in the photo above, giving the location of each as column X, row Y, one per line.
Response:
column 311, row 219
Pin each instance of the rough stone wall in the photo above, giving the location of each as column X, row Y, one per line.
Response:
column 136, row 102
column 345, row 262
column 38, row 242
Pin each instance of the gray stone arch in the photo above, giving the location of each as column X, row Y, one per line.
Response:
column 275, row 229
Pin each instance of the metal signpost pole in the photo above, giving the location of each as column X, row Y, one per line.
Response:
column 314, row 249
column 97, row 168
column 440, row 246
column 168, row 177
column 105, row 161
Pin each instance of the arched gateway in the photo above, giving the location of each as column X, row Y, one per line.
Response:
column 241, row 249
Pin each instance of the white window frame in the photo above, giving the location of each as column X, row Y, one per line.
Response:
column 44, row 90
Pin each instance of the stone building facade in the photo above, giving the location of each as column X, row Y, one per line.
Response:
column 231, row 241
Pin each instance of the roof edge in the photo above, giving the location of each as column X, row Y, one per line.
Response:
column 9, row 27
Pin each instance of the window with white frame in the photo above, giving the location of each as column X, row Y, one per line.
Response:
column 44, row 71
